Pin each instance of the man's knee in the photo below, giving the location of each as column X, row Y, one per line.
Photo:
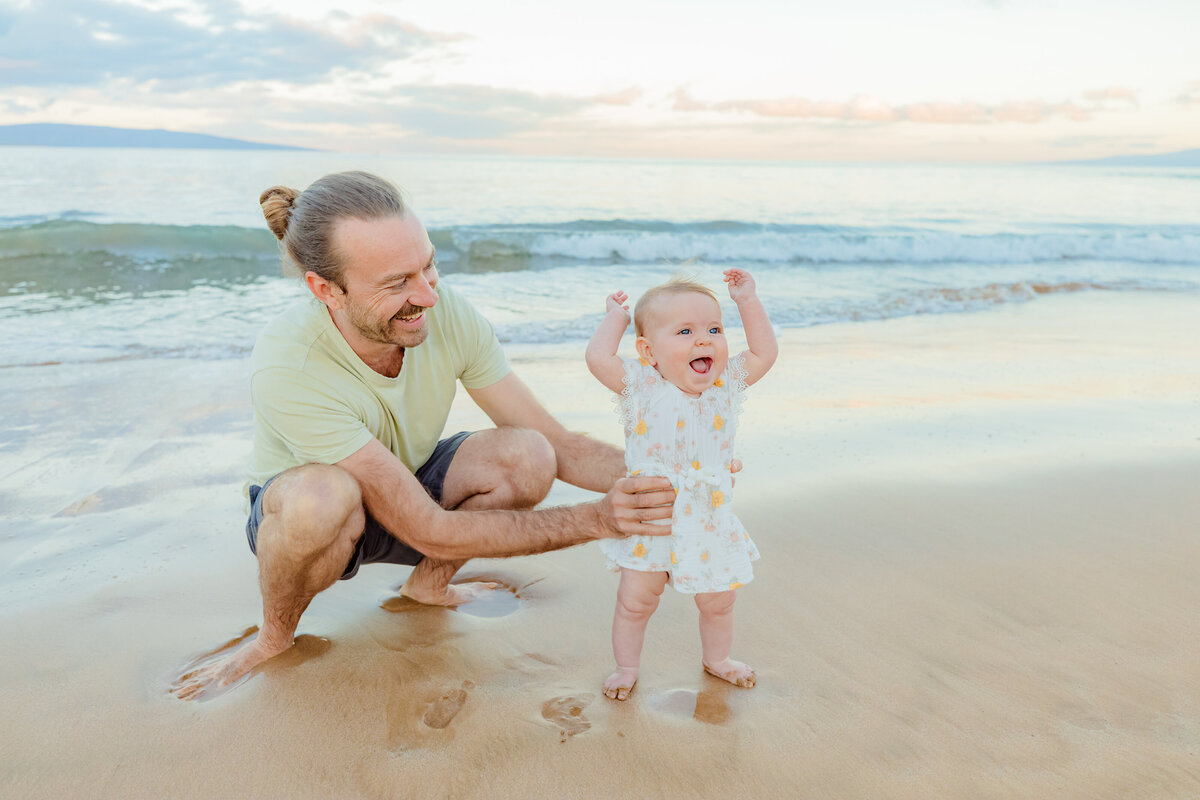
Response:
column 536, row 466
column 523, row 467
column 314, row 504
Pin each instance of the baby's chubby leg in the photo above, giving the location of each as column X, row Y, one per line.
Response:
column 716, row 639
column 637, row 598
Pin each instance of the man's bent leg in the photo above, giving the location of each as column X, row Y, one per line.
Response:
column 312, row 517
column 505, row 468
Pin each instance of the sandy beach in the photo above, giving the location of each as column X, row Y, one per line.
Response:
column 980, row 579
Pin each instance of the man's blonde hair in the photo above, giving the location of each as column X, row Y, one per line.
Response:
column 678, row 284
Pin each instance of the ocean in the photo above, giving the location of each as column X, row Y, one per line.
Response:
column 112, row 254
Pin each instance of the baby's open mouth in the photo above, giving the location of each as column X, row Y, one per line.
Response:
column 702, row 365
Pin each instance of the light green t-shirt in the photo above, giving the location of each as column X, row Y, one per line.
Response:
column 315, row 401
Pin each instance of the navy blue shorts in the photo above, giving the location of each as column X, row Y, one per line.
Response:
column 376, row 545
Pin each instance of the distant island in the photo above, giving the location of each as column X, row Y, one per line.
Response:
column 1182, row 158
column 56, row 135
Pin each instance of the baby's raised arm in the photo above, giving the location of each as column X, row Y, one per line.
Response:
column 601, row 354
column 761, row 347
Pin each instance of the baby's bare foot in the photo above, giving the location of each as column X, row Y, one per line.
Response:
column 735, row 672
column 620, row 683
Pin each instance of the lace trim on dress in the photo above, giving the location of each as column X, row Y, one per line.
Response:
column 623, row 402
column 737, row 370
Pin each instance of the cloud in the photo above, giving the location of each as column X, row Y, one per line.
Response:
column 1107, row 143
column 1190, row 96
column 65, row 43
column 477, row 112
column 1033, row 111
column 22, row 106
column 867, row 109
column 464, row 112
column 1120, row 94
column 625, row 97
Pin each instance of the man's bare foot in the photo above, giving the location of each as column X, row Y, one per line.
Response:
column 219, row 670
column 620, row 684
column 735, row 672
column 453, row 594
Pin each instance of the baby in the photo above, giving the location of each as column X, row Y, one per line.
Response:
column 679, row 402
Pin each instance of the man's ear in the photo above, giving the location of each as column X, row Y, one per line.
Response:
column 328, row 293
column 644, row 351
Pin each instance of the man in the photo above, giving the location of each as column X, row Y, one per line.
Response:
column 351, row 391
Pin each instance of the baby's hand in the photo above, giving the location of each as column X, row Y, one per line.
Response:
column 741, row 285
column 615, row 301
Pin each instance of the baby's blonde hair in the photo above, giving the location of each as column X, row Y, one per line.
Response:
column 678, row 284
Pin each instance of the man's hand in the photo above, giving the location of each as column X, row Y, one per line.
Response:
column 632, row 502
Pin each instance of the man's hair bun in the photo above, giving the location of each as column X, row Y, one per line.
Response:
column 277, row 203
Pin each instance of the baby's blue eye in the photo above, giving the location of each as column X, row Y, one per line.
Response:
column 685, row 331
column 714, row 329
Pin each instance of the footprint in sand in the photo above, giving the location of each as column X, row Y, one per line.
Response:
column 706, row 706
column 445, row 708
column 566, row 713
column 500, row 602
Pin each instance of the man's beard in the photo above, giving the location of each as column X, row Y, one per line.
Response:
column 376, row 330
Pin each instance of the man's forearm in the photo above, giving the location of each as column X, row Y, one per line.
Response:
column 451, row 535
column 497, row 534
column 588, row 463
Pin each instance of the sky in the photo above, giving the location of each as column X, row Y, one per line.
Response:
column 854, row 80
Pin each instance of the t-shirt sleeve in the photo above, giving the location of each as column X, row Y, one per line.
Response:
column 482, row 360
column 313, row 421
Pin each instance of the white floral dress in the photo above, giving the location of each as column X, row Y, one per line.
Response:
column 690, row 441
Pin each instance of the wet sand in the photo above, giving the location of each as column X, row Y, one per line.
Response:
column 980, row 578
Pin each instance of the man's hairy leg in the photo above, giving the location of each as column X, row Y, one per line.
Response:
column 505, row 468
column 312, row 517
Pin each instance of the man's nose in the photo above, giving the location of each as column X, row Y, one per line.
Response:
column 424, row 296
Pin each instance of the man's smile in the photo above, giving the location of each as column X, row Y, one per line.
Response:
column 410, row 319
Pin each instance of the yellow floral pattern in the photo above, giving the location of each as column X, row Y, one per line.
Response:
column 690, row 440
